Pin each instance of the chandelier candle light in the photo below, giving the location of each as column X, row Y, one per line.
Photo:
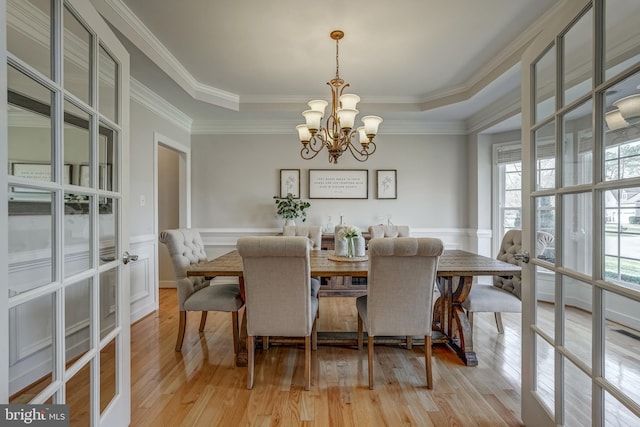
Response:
column 337, row 132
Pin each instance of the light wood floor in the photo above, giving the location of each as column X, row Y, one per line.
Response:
column 200, row 386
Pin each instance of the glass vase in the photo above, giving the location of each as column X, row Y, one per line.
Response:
column 350, row 250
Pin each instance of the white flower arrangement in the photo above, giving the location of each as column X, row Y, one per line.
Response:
column 349, row 232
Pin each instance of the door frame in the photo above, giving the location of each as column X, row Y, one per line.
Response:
column 4, row 210
column 184, row 189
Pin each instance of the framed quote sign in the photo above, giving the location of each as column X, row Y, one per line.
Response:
column 338, row 184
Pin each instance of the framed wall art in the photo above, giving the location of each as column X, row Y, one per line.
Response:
column 37, row 172
column 290, row 183
column 387, row 184
column 338, row 184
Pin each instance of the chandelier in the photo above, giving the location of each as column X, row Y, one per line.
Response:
column 626, row 111
column 337, row 133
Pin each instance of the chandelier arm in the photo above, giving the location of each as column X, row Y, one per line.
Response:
column 346, row 85
column 305, row 153
column 359, row 155
column 309, row 151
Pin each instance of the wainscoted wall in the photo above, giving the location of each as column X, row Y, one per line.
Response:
column 30, row 333
column 143, row 277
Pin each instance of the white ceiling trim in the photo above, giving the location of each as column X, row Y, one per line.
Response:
column 499, row 64
column 131, row 26
column 152, row 101
column 507, row 106
column 287, row 127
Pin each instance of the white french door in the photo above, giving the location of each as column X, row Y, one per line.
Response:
column 64, row 286
column 581, row 181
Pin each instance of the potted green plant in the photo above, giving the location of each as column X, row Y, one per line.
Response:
column 290, row 208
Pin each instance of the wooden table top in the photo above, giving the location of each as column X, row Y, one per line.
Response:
column 452, row 263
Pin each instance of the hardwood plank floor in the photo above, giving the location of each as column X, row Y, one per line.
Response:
column 200, row 386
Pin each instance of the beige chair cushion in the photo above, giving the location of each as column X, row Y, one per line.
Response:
column 488, row 298
column 278, row 286
column 402, row 274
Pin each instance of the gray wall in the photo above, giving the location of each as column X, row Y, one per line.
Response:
column 143, row 125
column 234, row 179
column 168, row 211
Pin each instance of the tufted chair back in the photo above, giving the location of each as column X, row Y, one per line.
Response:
column 512, row 245
column 380, row 230
column 314, row 233
column 402, row 274
column 185, row 248
column 277, row 285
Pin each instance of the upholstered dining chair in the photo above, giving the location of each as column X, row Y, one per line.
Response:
column 504, row 295
column 278, row 296
column 389, row 231
column 313, row 232
column 402, row 273
column 381, row 230
column 197, row 293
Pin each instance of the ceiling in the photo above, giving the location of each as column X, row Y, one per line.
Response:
column 431, row 62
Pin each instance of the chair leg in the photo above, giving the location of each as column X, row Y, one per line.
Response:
column 236, row 331
column 409, row 342
column 498, row 317
column 314, row 336
column 307, row 363
column 265, row 343
column 470, row 317
column 427, row 360
column 360, row 333
column 181, row 328
column 370, row 360
column 203, row 320
column 250, row 361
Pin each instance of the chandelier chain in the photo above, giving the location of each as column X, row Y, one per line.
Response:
column 337, row 60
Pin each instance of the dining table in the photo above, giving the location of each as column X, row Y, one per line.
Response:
column 455, row 273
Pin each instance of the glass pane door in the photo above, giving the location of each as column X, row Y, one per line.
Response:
column 581, row 183
column 68, row 318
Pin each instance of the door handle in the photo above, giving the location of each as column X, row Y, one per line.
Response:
column 524, row 257
column 126, row 257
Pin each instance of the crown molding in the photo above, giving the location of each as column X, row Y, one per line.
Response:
column 152, row 101
column 499, row 64
column 119, row 14
column 507, row 106
column 287, row 127
column 129, row 24
column 301, row 99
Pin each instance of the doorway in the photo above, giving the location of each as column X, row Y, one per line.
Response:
column 173, row 178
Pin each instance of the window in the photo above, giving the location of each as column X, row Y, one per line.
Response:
column 508, row 195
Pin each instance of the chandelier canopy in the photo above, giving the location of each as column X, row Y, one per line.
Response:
column 337, row 133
